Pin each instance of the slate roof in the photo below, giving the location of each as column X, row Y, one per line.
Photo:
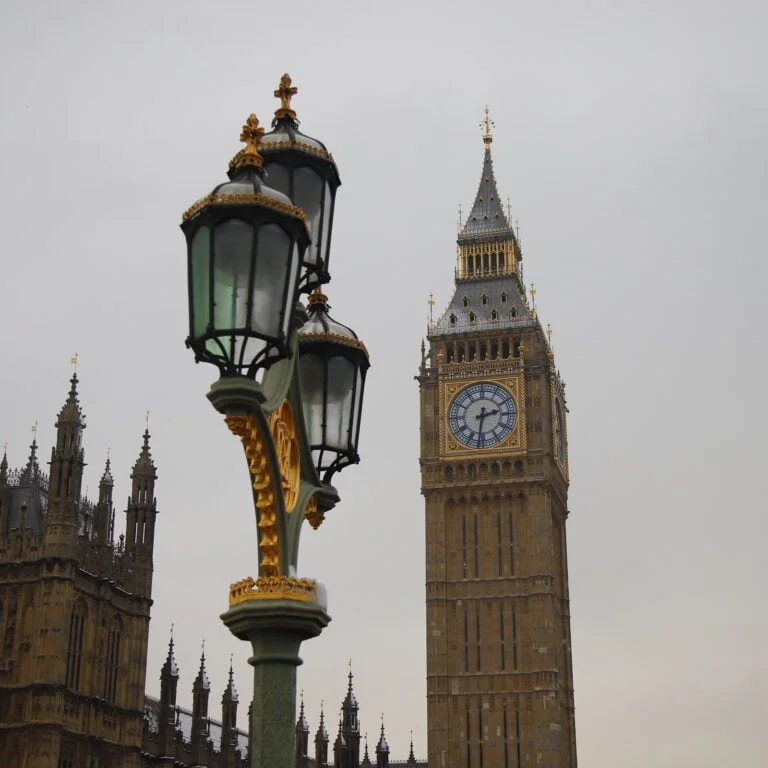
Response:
column 184, row 724
column 487, row 218
column 456, row 318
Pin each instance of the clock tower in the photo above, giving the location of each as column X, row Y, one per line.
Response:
column 494, row 467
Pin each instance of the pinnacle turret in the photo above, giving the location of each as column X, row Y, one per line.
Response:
column 366, row 758
column 70, row 411
column 170, row 667
column 411, row 757
column 106, row 478
column 230, row 692
column 32, row 469
column 4, row 467
column 201, row 681
column 144, row 464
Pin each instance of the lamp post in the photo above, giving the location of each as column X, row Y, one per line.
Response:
column 290, row 387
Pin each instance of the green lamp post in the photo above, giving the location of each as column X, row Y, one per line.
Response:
column 290, row 387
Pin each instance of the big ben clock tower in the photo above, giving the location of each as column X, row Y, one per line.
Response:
column 494, row 467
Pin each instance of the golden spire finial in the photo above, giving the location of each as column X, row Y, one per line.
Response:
column 487, row 125
column 317, row 296
column 285, row 92
column 251, row 137
column 431, row 304
column 73, row 361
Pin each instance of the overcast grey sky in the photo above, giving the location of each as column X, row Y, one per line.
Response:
column 631, row 139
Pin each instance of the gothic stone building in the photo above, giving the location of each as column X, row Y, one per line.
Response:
column 494, row 464
column 74, row 624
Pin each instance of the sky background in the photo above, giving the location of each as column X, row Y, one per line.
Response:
column 631, row 140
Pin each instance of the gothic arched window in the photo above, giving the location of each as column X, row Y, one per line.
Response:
column 465, row 302
column 75, row 652
column 453, row 319
column 494, row 315
column 113, row 660
column 503, row 298
column 484, row 300
column 471, row 317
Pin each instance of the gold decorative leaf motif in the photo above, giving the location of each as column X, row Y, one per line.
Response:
column 283, row 428
column 272, row 587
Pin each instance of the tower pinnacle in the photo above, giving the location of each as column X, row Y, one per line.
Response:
column 487, row 125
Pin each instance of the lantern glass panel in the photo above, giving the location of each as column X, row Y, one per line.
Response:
column 278, row 177
column 308, row 188
column 269, row 284
column 340, row 389
column 200, row 275
column 356, row 409
column 312, row 372
column 233, row 250
column 326, row 235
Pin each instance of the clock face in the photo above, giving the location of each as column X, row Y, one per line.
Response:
column 482, row 415
column 559, row 433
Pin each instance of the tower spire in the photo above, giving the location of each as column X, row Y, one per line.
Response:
column 487, row 216
column 487, row 125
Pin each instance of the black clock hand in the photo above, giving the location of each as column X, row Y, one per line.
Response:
column 481, row 418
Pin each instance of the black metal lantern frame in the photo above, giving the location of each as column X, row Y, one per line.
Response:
column 332, row 367
column 246, row 244
column 301, row 167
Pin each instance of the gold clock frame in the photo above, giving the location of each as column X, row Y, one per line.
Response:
column 516, row 443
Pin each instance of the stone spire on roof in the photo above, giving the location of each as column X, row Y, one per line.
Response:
column 322, row 731
column 144, row 464
column 106, row 478
column 33, row 468
column 70, row 412
column 230, row 692
column 487, row 216
column 411, row 756
column 366, row 758
column 170, row 667
column 4, row 466
column 201, row 681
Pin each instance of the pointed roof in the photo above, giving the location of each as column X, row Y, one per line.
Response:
column 70, row 412
column 202, row 681
column 33, row 468
column 4, row 465
column 382, row 746
column 411, row 757
column 230, row 692
column 339, row 736
column 350, row 702
column 487, row 216
column 106, row 478
column 366, row 759
column 301, row 723
column 170, row 667
column 322, row 732
column 144, row 464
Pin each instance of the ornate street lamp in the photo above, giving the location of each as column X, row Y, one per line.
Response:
column 294, row 399
column 302, row 168
column 245, row 244
column 332, row 363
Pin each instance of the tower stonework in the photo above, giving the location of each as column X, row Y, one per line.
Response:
column 494, row 466
column 74, row 611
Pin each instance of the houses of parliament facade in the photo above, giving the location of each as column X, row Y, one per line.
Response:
column 76, row 592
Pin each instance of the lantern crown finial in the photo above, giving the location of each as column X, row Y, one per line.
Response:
column 250, row 155
column 285, row 92
column 317, row 297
